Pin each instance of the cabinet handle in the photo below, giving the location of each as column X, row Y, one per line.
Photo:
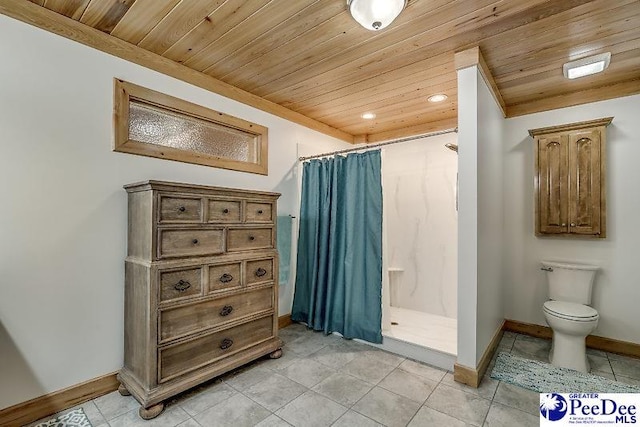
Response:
column 226, row 310
column 260, row 212
column 226, row 278
column 225, row 211
column 194, row 241
column 261, row 272
column 573, row 224
column 252, row 238
column 564, row 224
column 182, row 286
column 182, row 209
column 226, row 343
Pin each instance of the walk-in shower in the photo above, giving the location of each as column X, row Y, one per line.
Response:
column 419, row 188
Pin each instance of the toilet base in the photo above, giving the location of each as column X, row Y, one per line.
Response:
column 569, row 351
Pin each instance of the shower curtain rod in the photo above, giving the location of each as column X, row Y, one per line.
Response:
column 368, row 147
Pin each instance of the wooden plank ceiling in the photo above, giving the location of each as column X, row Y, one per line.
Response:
column 313, row 58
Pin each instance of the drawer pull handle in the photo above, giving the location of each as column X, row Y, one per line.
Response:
column 194, row 241
column 225, row 211
column 182, row 209
column 182, row 286
column 226, row 310
column 226, row 278
column 261, row 272
column 226, row 343
column 252, row 238
column 260, row 212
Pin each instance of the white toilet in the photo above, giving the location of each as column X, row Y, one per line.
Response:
column 568, row 312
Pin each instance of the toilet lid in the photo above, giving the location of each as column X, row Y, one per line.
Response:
column 571, row 310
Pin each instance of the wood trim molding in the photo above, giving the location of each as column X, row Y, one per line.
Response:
column 490, row 351
column 284, row 321
column 406, row 132
column 126, row 93
column 610, row 345
column 470, row 57
column 473, row 376
column 617, row 90
column 56, row 23
column 571, row 126
column 465, row 375
column 48, row 404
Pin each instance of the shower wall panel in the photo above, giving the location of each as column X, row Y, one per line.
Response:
column 419, row 179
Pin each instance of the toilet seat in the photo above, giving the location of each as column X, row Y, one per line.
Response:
column 571, row 311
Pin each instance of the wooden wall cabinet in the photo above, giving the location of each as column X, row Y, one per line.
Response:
column 570, row 174
column 201, row 287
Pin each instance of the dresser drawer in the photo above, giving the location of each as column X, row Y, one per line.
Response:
column 258, row 212
column 224, row 276
column 180, row 209
column 185, row 357
column 242, row 239
column 259, row 271
column 184, row 320
column 224, row 210
column 186, row 242
column 175, row 285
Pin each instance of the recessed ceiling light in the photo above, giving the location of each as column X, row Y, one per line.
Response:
column 368, row 116
column 586, row 66
column 437, row 97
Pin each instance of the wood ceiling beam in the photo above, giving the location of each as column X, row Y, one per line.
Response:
column 53, row 22
column 470, row 57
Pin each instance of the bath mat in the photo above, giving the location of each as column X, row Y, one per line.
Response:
column 545, row 378
column 75, row 418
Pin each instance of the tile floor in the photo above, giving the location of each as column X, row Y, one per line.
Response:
column 329, row 381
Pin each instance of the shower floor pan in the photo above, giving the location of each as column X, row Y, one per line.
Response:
column 422, row 336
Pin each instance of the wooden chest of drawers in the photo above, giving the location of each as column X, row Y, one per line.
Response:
column 201, row 287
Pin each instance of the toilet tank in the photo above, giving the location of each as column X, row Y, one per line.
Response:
column 571, row 282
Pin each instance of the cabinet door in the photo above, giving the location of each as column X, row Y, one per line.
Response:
column 584, row 182
column 552, row 182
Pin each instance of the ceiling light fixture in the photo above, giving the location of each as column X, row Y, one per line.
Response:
column 368, row 116
column 586, row 66
column 375, row 15
column 439, row 97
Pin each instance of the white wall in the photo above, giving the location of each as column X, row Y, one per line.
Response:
column 467, row 214
column 617, row 286
column 62, row 239
column 490, row 219
column 419, row 180
column 480, row 128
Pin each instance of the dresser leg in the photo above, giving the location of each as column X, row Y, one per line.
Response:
column 123, row 390
column 151, row 412
column 276, row 354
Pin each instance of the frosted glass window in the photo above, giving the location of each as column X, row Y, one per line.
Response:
column 153, row 124
column 160, row 127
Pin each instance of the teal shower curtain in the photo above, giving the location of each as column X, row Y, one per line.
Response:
column 339, row 269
